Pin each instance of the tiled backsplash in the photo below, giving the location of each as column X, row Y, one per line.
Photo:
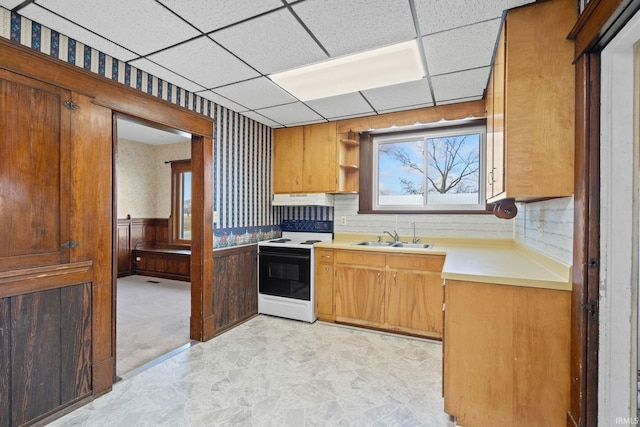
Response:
column 547, row 227
column 487, row 226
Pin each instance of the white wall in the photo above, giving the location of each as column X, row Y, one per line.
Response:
column 617, row 363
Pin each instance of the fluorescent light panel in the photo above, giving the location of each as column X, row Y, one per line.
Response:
column 399, row 63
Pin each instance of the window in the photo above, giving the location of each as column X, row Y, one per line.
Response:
column 429, row 170
column 181, row 201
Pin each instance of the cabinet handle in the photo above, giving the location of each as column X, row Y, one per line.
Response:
column 326, row 269
column 395, row 275
column 326, row 256
column 378, row 278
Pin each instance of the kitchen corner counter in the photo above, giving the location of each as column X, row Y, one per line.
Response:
column 497, row 261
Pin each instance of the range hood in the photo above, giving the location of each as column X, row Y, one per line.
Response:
column 310, row 199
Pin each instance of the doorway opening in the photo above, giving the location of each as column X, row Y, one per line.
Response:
column 152, row 295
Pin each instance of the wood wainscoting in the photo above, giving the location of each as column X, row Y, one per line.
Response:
column 235, row 293
column 135, row 231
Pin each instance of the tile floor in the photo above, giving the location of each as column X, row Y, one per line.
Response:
column 277, row 372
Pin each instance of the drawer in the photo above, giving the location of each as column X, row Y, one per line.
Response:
column 360, row 258
column 324, row 255
column 416, row 262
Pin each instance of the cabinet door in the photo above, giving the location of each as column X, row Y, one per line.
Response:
column 287, row 160
column 360, row 293
column 414, row 300
column 5, row 408
column 324, row 290
column 320, row 158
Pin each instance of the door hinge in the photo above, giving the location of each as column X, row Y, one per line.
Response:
column 70, row 244
column 593, row 263
column 1, row 332
column 592, row 308
column 71, row 105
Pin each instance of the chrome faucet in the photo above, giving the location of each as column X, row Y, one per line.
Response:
column 394, row 236
column 415, row 239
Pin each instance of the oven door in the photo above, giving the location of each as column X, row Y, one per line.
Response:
column 285, row 272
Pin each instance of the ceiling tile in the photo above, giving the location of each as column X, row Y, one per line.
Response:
column 272, row 42
column 256, row 93
column 209, row 15
column 221, row 100
column 464, row 84
column 204, row 62
column 10, row 4
column 473, row 46
column 341, row 105
column 345, row 27
column 166, row 75
column 262, row 119
column 290, row 114
column 144, row 26
column 69, row 29
column 439, row 15
column 402, row 95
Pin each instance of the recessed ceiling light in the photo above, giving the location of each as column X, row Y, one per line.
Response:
column 385, row 66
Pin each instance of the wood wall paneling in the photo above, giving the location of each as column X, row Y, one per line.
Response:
column 5, row 407
column 235, row 296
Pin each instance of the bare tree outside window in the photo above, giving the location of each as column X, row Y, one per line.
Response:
column 443, row 170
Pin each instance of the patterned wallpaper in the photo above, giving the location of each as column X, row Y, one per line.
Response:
column 242, row 147
column 242, row 164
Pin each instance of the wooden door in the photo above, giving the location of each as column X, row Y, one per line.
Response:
column 287, row 160
column 123, row 241
column 360, row 293
column 34, row 174
column 320, row 158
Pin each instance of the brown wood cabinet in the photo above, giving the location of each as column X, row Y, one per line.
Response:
column 305, row 159
column 324, row 285
column 395, row 292
column 506, row 354
column 414, row 294
column 530, row 105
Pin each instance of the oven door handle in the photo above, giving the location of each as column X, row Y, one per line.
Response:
column 287, row 256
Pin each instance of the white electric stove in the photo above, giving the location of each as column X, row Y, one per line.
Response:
column 286, row 270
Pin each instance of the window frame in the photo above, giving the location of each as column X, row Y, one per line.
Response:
column 178, row 168
column 369, row 168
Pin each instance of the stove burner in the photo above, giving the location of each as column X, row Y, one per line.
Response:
column 280, row 241
column 310, row 242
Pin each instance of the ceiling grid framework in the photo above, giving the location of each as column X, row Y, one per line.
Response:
column 224, row 51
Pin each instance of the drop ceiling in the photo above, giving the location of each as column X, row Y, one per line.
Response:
column 225, row 50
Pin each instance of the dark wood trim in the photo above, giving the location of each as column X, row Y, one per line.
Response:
column 19, row 282
column 165, row 262
column 597, row 26
column 202, row 319
column 106, row 92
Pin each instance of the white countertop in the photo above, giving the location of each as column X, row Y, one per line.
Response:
column 499, row 261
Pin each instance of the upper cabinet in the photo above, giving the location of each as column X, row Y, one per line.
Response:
column 305, row 159
column 530, row 105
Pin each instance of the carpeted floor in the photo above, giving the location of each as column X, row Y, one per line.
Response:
column 152, row 319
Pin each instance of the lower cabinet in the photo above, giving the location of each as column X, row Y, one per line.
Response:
column 414, row 294
column 394, row 292
column 506, row 354
column 45, row 352
column 324, row 285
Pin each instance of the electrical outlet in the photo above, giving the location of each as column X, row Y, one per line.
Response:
column 343, row 220
column 216, row 217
